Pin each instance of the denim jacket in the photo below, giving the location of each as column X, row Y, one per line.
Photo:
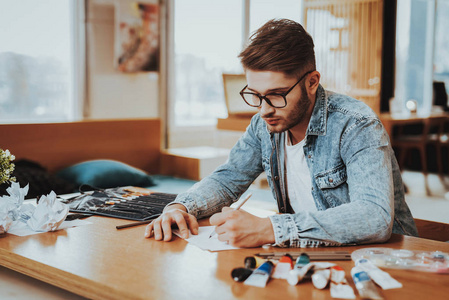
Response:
column 356, row 182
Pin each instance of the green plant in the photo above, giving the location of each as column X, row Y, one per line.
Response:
column 6, row 166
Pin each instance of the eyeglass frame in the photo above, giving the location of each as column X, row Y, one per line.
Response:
column 264, row 97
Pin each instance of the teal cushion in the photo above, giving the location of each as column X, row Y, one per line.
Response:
column 105, row 174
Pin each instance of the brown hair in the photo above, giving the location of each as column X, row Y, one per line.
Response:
column 280, row 45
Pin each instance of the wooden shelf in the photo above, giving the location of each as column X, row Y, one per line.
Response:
column 193, row 163
column 234, row 123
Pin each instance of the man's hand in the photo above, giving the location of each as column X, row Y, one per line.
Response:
column 242, row 229
column 173, row 214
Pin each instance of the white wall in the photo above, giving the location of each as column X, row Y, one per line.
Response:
column 110, row 93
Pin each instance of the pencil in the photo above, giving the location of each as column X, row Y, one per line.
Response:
column 237, row 207
column 134, row 224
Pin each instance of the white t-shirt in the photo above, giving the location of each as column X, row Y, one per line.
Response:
column 299, row 184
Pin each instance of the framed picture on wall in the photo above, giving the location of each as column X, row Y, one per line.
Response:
column 232, row 84
column 137, row 36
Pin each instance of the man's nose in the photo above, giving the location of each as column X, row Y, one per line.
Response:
column 266, row 109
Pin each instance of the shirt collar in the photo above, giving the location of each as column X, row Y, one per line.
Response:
column 318, row 120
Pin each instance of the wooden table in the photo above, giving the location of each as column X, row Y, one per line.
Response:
column 99, row 262
column 391, row 120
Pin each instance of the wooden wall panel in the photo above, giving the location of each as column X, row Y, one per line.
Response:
column 57, row 145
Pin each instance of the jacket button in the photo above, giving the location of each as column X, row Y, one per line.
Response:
column 331, row 180
column 276, row 178
column 309, row 156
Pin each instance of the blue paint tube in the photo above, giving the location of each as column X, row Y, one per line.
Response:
column 261, row 275
column 365, row 286
column 383, row 279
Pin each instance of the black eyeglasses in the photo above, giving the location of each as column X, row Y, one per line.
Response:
column 277, row 100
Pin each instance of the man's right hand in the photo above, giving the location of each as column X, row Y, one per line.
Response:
column 176, row 214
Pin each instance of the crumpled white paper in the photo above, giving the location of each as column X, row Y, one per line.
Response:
column 5, row 221
column 10, row 205
column 46, row 216
column 49, row 214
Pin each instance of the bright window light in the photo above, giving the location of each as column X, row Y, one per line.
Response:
column 36, row 61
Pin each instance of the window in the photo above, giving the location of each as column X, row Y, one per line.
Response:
column 207, row 38
column 421, row 50
column 441, row 51
column 263, row 10
column 38, row 78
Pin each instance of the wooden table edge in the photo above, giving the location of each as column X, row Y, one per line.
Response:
column 59, row 278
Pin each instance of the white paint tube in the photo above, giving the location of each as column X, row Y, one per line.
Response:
column 298, row 274
column 299, row 271
column 364, row 284
column 320, row 278
column 284, row 266
column 381, row 278
column 339, row 285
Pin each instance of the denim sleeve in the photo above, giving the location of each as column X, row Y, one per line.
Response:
column 230, row 180
column 366, row 216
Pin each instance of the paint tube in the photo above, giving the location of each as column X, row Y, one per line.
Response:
column 253, row 262
column 363, row 283
column 320, row 278
column 381, row 278
column 284, row 266
column 261, row 275
column 241, row 274
column 339, row 286
column 298, row 273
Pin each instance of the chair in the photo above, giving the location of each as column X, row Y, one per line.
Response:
column 440, row 97
column 443, row 143
column 429, row 136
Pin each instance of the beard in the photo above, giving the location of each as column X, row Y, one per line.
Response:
column 297, row 115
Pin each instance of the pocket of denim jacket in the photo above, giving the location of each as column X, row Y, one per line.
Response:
column 331, row 178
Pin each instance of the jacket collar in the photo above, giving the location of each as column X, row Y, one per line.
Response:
column 318, row 120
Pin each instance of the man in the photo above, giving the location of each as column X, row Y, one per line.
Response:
column 327, row 158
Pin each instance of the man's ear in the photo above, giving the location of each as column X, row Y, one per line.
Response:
column 312, row 83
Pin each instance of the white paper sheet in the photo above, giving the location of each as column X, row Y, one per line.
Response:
column 22, row 229
column 203, row 241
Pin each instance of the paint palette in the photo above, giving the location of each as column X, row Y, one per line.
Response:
column 435, row 262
